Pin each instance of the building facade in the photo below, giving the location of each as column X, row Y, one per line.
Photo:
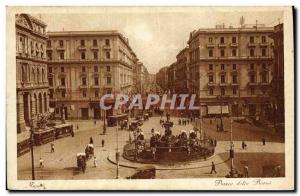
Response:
column 84, row 65
column 31, row 71
column 162, row 78
column 232, row 67
column 278, row 76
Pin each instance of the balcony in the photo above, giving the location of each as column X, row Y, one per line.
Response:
column 234, row 84
column 83, row 86
column 94, row 47
column 263, row 44
column 223, row 84
column 106, row 47
column 234, row 45
column 81, row 47
column 49, row 48
column 222, row 45
column 251, row 44
column 95, row 86
column 211, row 84
column 83, row 74
column 61, row 87
column 234, row 71
column 265, row 83
column 250, row 71
column 210, row 45
column 60, row 48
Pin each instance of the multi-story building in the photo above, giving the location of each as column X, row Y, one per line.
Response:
column 31, row 69
column 84, row 65
column 232, row 67
column 277, row 92
column 181, row 79
column 162, row 78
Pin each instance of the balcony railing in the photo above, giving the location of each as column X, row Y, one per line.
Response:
column 211, row 84
column 81, row 47
column 263, row 44
column 94, row 48
column 253, row 84
column 251, row 44
column 49, row 48
column 222, row 45
column 234, row 45
column 210, row 45
column 106, row 47
column 60, row 48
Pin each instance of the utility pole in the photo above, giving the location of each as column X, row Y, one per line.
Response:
column 117, row 153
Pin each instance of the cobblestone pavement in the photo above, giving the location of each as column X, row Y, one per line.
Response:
column 62, row 163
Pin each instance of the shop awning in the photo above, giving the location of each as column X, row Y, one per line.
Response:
column 216, row 109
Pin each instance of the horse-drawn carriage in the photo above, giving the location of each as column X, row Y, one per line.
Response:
column 89, row 151
column 81, row 161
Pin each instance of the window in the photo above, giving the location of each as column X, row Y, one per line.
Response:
column 252, row 91
column 83, row 69
column 62, row 69
column 61, row 43
column 96, row 81
column 233, row 40
column 107, row 43
column 108, row 55
column 233, row 52
column 49, row 55
column 222, row 52
column 251, row 39
column 251, row 52
column 210, row 39
column 62, row 55
column 108, row 80
column 84, row 93
column 95, row 43
column 108, row 91
column 50, row 80
column 234, row 91
column 49, row 43
column 211, row 66
column 222, row 40
column 83, row 55
column 95, row 68
column 82, row 42
column 211, row 78
column 263, row 39
column 108, row 68
column 49, row 69
column 252, row 66
column 264, row 66
column 252, row 78
column 234, row 79
column 211, row 91
column 222, row 91
column 62, row 81
column 234, row 66
column 264, row 78
column 63, row 93
column 222, row 67
column 222, row 78
column 97, row 93
column 263, row 52
column 51, row 94
column 83, row 81
column 95, row 55
column 210, row 53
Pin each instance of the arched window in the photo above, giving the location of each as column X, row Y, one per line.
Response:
column 40, row 103
column 33, row 74
column 23, row 74
column 43, row 75
column 38, row 75
column 45, row 102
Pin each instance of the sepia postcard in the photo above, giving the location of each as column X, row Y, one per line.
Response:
column 150, row 98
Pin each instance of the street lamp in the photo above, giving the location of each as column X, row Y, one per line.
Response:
column 31, row 148
column 221, row 125
column 231, row 151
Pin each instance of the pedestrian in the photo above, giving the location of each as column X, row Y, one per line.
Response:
column 41, row 163
column 243, row 145
column 179, row 121
column 263, row 141
column 95, row 162
column 215, row 143
column 77, row 126
column 102, row 143
column 246, row 171
column 91, row 140
column 217, row 127
column 52, row 147
column 152, row 131
column 95, row 122
column 188, row 121
column 213, row 168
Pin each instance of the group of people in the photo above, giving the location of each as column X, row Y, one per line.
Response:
column 183, row 121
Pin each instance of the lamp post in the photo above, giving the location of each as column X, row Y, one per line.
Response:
column 118, row 153
column 231, row 151
column 31, row 149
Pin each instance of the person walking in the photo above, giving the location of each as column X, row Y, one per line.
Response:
column 41, row 162
column 95, row 122
column 102, row 143
column 95, row 162
column 263, row 141
column 243, row 145
column 52, row 148
column 246, row 171
column 213, row 168
column 91, row 140
column 218, row 128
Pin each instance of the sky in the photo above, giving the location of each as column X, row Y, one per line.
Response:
column 155, row 35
